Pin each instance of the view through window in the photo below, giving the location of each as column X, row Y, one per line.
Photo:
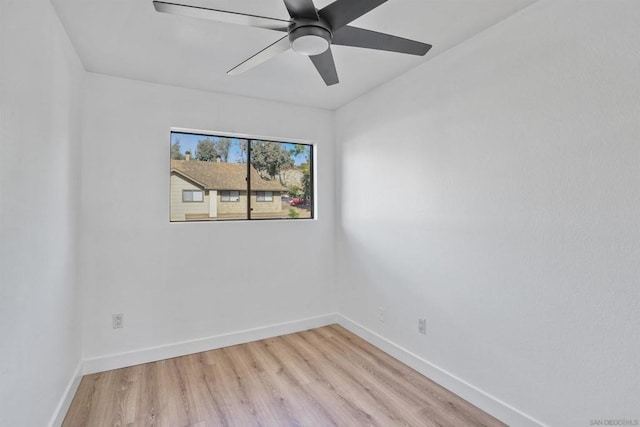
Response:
column 216, row 178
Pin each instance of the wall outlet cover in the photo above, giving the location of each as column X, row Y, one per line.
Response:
column 118, row 321
column 422, row 326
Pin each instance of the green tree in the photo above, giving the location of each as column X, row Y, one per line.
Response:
column 176, row 154
column 222, row 146
column 293, row 213
column 269, row 158
column 241, row 157
column 307, row 189
column 299, row 149
column 295, row 191
column 206, row 150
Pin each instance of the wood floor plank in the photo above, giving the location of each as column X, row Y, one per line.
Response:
column 382, row 372
column 373, row 398
column 287, row 376
column 321, row 377
column 319, row 393
column 433, row 395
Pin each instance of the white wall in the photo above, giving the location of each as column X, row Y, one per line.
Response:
column 495, row 191
column 185, row 281
column 40, row 130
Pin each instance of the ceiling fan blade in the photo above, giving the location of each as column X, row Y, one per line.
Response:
column 222, row 16
column 265, row 54
column 341, row 12
column 326, row 67
column 359, row 37
column 301, row 9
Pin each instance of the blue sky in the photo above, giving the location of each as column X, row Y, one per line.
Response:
column 189, row 142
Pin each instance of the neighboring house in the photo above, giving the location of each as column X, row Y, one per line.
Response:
column 201, row 190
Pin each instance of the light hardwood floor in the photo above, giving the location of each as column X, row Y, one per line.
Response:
column 321, row 377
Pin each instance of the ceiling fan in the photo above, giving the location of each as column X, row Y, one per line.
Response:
column 309, row 32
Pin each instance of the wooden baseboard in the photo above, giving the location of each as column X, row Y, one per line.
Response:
column 65, row 401
column 469, row 392
column 152, row 354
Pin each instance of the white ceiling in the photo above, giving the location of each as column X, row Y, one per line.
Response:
column 128, row 38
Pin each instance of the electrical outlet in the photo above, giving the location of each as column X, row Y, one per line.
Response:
column 118, row 321
column 422, row 326
column 381, row 314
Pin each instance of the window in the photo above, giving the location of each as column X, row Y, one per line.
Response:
column 239, row 178
column 192, row 196
column 264, row 196
column 229, row 196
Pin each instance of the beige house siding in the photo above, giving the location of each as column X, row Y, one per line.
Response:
column 260, row 207
column 180, row 209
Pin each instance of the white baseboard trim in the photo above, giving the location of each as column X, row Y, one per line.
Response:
column 67, row 397
column 468, row 392
column 152, row 354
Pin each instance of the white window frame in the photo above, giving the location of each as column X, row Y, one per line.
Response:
column 228, row 196
column 193, row 192
column 264, row 196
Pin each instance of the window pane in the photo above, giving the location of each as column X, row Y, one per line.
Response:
column 264, row 196
column 216, row 178
column 282, row 180
column 211, row 171
column 192, row 196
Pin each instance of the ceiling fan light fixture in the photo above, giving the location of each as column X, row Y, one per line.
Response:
column 310, row 40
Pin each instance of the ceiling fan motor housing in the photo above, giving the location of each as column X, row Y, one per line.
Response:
column 309, row 38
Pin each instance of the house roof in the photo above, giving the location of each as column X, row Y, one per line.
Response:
column 223, row 176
